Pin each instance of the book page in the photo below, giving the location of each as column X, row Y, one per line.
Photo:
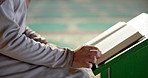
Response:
column 106, row 33
column 140, row 23
column 116, row 38
column 119, row 47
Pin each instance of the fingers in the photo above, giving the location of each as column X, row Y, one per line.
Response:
column 89, row 48
column 88, row 61
column 92, row 59
column 95, row 53
column 87, row 65
column 86, row 56
column 92, row 53
column 81, row 63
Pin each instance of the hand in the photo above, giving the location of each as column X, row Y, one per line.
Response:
column 85, row 56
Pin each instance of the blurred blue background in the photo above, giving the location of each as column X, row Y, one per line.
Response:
column 71, row 23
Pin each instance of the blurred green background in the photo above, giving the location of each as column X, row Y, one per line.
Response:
column 71, row 23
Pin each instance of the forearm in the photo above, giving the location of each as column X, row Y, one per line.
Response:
column 35, row 36
column 27, row 50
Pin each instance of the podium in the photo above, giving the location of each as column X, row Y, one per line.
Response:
column 131, row 63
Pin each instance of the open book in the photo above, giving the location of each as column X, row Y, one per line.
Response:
column 120, row 36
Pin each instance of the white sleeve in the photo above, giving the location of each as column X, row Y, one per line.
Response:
column 15, row 44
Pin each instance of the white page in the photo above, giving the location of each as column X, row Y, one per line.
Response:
column 106, row 33
column 140, row 23
column 116, row 38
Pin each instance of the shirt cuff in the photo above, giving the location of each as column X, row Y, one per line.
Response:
column 70, row 57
